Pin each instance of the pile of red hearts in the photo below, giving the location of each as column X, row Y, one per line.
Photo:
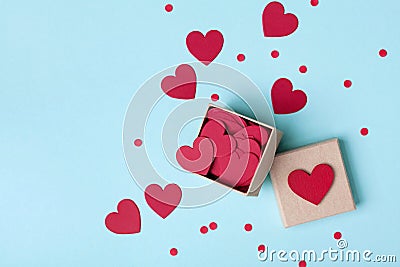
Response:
column 228, row 149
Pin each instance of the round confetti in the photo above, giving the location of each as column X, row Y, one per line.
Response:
column 314, row 2
column 248, row 227
column 240, row 57
column 364, row 131
column 383, row 53
column 213, row 225
column 138, row 142
column 302, row 264
column 214, row 97
column 347, row 83
column 173, row 251
column 261, row 248
column 303, row 69
column 203, row 230
column 274, row 54
column 168, row 7
column 337, row 235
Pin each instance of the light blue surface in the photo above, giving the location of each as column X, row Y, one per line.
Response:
column 68, row 70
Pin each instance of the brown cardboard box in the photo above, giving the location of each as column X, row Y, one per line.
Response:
column 267, row 156
column 293, row 208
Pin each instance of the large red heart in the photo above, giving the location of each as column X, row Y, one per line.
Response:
column 312, row 187
column 258, row 133
column 235, row 170
column 163, row 202
column 233, row 123
column 276, row 23
column 248, row 145
column 182, row 85
column 199, row 158
column 205, row 48
column 223, row 143
column 285, row 100
column 126, row 220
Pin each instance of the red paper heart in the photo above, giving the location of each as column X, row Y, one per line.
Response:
column 232, row 122
column 258, row 133
column 163, row 202
column 205, row 48
column 312, row 187
column 223, row 143
column 285, row 100
column 235, row 170
column 126, row 220
column 199, row 158
column 248, row 145
column 182, row 85
column 276, row 23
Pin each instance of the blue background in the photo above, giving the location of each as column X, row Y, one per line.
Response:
column 68, row 70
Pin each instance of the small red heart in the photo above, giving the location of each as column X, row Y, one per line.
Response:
column 163, row 202
column 126, row 220
column 285, row 100
column 312, row 187
column 276, row 23
column 224, row 144
column 182, row 85
column 205, row 48
column 199, row 158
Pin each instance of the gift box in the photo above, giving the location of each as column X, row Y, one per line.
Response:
column 231, row 149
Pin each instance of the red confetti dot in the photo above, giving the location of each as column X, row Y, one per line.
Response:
column 261, row 248
column 274, row 53
column 203, row 229
column 248, row 227
column 347, row 83
column 364, row 131
column 337, row 235
column 213, row 225
column 138, row 142
column 383, row 53
column 173, row 251
column 214, row 97
column 302, row 264
column 314, row 2
column 240, row 57
column 168, row 7
column 303, row 69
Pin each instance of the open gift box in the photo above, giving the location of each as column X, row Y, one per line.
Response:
column 231, row 149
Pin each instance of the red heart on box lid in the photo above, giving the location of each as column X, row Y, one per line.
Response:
column 312, row 187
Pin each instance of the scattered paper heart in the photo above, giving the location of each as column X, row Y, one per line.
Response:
column 126, row 220
column 182, row 85
column 276, row 23
column 205, row 48
column 163, row 202
column 284, row 99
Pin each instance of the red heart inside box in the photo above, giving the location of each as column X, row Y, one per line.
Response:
column 238, row 145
